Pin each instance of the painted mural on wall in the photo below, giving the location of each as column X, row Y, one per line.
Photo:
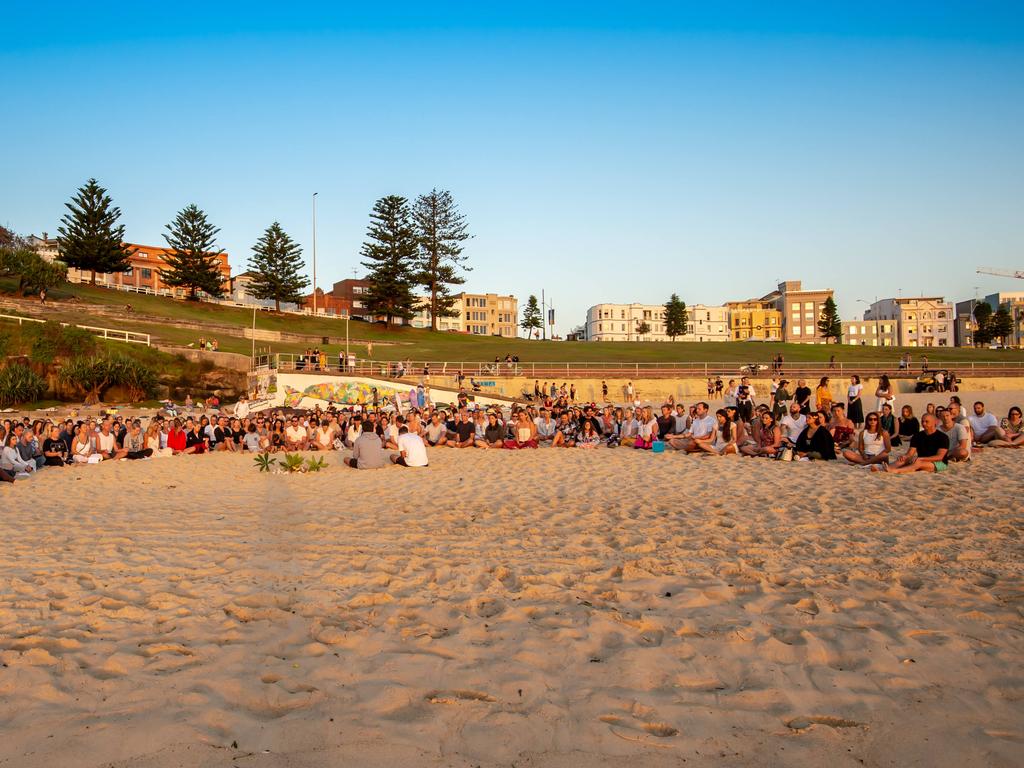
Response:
column 348, row 392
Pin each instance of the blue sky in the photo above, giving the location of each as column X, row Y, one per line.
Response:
column 600, row 151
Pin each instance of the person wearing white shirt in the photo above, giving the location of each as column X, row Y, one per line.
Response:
column 985, row 425
column 702, row 427
column 793, row 423
column 242, row 408
column 412, row 452
column 731, row 393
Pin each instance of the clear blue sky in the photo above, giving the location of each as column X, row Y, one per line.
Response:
column 600, row 151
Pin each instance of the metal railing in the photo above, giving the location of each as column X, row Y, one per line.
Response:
column 619, row 370
column 113, row 334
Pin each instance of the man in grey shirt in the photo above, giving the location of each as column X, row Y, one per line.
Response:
column 367, row 451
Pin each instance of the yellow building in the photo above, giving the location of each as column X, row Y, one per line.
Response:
column 754, row 319
column 488, row 314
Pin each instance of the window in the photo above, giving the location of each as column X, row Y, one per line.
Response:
column 808, row 330
column 147, row 274
column 796, row 330
column 795, row 307
column 808, row 305
column 942, row 315
column 129, row 272
column 853, row 330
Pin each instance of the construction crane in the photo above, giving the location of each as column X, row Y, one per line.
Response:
column 1001, row 272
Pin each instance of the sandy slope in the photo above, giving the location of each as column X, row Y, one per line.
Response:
column 561, row 608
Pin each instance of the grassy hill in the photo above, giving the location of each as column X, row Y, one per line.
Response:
column 165, row 319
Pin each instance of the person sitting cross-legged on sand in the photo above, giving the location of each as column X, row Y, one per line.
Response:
column 815, row 442
column 928, row 449
column 985, row 425
column 367, row 450
column 702, row 427
column 768, row 439
column 464, row 433
column 494, row 433
column 1013, row 428
column 958, row 435
column 55, row 450
column 841, row 427
column 436, row 431
column 588, row 437
column 82, row 447
column 106, row 443
column 792, row 424
column 873, row 444
column 411, row 450
column 196, row 440
column 722, row 441
column 524, row 433
column 629, row 429
column 565, row 432
column 648, row 429
column 545, row 427
column 10, row 458
column 296, row 438
column 135, row 442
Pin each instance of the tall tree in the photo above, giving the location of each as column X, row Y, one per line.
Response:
column 277, row 266
column 390, row 251
column 194, row 261
column 440, row 233
column 1002, row 324
column 33, row 272
column 90, row 239
column 643, row 329
column 983, row 323
column 676, row 317
column 829, row 324
column 532, row 320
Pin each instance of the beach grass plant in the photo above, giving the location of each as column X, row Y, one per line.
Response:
column 293, row 462
column 265, row 462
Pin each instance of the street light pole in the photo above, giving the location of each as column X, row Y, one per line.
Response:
column 254, row 331
column 314, row 252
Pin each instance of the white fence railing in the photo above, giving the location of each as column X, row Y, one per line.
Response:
column 113, row 334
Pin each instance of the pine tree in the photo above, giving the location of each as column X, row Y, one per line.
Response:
column 277, row 266
column 532, row 320
column 194, row 261
column 90, row 239
column 676, row 317
column 390, row 249
column 440, row 232
column 643, row 329
column 829, row 325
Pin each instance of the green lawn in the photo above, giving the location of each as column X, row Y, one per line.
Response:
column 418, row 345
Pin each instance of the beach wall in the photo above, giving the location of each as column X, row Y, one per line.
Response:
column 304, row 390
column 690, row 389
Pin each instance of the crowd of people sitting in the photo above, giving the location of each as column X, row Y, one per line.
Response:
column 789, row 427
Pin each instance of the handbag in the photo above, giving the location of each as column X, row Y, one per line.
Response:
column 786, row 454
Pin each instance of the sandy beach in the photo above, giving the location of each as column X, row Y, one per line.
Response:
column 547, row 608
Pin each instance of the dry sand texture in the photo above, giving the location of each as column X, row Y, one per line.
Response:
column 546, row 607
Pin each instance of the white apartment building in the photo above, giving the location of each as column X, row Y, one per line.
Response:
column 870, row 333
column 621, row 322
column 422, row 317
column 926, row 321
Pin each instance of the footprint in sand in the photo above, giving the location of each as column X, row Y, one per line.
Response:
column 454, row 697
column 803, row 723
column 486, row 607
